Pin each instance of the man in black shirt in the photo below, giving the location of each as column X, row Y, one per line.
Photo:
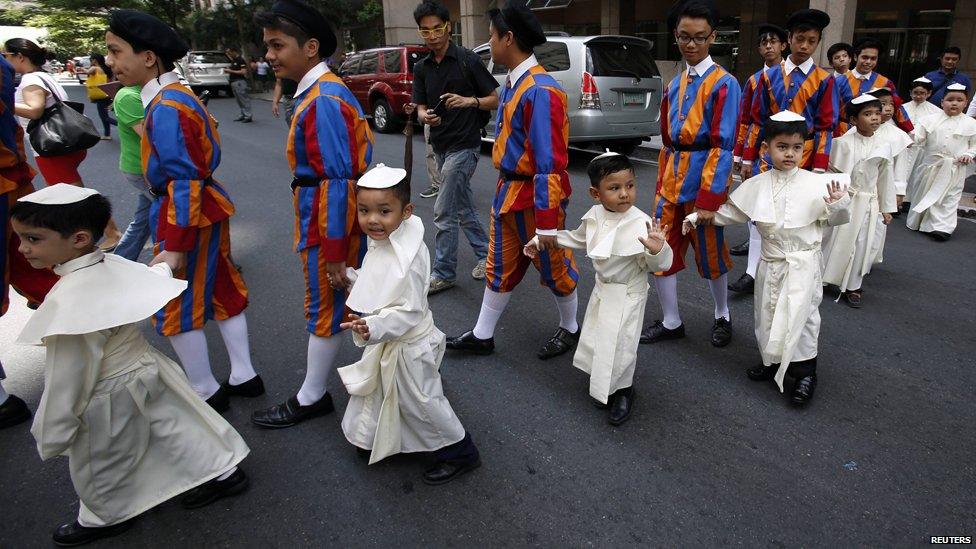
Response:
column 453, row 92
column 284, row 90
column 238, row 82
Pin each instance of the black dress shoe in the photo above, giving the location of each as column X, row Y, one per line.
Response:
column 741, row 249
column 247, row 120
column 468, row 343
column 445, row 471
column 939, row 236
column 560, row 342
column 657, row 332
column 803, row 390
column 853, row 298
column 72, row 534
column 13, row 411
column 219, row 401
column 721, row 332
column 623, row 401
column 290, row 412
column 239, row 118
column 212, row 490
column 762, row 373
column 745, row 285
column 251, row 388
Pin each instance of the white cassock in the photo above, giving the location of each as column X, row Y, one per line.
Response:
column 134, row 431
column 607, row 348
column 916, row 113
column 791, row 215
column 899, row 144
column 396, row 402
column 939, row 177
column 852, row 249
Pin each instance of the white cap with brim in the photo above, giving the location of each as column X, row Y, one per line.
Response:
column 59, row 194
column 863, row 98
column 923, row 80
column 382, row 177
column 956, row 87
column 787, row 116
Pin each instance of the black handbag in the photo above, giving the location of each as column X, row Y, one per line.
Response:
column 62, row 128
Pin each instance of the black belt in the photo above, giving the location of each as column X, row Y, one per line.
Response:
column 158, row 193
column 691, row 148
column 304, row 182
column 510, row 176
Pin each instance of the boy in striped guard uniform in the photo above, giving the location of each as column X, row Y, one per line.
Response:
column 191, row 211
column 329, row 147
column 699, row 114
column 862, row 79
column 531, row 155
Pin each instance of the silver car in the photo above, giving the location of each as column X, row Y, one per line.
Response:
column 205, row 70
column 612, row 85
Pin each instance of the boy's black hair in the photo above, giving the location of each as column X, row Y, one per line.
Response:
column 952, row 49
column 868, row 43
column 91, row 214
column 927, row 85
column 947, row 92
column 775, row 128
column 695, row 10
column 268, row 20
column 503, row 28
column 854, row 110
column 401, row 191
column 881, row 92
column 804, row 27
column 838, row 47
column 600, row 168
column 431, row 7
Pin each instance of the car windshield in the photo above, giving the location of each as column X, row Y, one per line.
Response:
column 620, row 59
column 208, row 57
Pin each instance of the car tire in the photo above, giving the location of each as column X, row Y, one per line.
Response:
column 383, row 118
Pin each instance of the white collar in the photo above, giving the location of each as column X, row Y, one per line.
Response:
column 767, row 67
column 839, row 73
column 805, row 67
column 152, row 88
column 311, row 77
column 785, row 174
column 858, row 75
column 81, row 262
column 515, row 74
column 702, row 67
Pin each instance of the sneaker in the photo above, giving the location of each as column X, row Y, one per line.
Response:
column 438, row 285
column 478, row 273
column 431, row 192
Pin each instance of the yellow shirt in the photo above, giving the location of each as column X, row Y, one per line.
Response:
column 94, row 92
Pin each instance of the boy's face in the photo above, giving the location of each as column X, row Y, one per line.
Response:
column 130, row 68
column 954, row 102
column 867, row 121
column 689, row 31
column 380, row 212
column 887, row 108
column 771, row 49
column 617, row 191
column 438, row 32
column 786, row 151
column 920, row 94
column 803, row 44
column 867, row 60
column 840, row 61
column 286, row 57
column 500, row 45
column 44, row 248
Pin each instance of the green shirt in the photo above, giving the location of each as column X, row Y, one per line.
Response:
column 129, row 112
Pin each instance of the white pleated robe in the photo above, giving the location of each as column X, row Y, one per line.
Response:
column 791, row 214
column 939, row 177
column 900, row 146
column 396, row 401
column 124, row 414
column 917, row 112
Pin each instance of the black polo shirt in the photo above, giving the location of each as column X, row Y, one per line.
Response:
column 238, row 63
column 459, row 128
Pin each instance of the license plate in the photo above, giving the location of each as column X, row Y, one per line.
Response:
column 634, row 99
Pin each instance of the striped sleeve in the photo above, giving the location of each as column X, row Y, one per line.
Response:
column 184, row 161
column 717, row 171
column 549, row 136
column 842, row 87
column 824, row 123
column 758, row 112
column 902, row 120
column 744, row 113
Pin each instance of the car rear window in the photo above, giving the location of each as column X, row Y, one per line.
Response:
column 208, row 57
column 391, row 61
column 350, row 64
column 620, row 59
column 553, row 56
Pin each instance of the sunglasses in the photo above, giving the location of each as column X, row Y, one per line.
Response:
column 435, row 32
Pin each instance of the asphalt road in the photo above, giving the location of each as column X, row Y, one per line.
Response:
column 882, row 457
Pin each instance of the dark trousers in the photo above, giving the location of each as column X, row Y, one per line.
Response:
column 107, row 121
column 461, row 452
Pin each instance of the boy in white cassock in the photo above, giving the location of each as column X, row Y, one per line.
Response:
column 625, row 245
column 852, row 249
column 791, row 212
column 134, row 431
column 949, row 145
column 396, row 402
column 918, row 109
column 900, row 145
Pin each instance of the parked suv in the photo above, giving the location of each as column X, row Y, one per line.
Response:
column 382, row 81
column 612, row 85
column 205, row 70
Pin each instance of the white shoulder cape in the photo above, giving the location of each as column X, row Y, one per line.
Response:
column 965, row 129
column 843, row 158
column 806, row 205
column 622, row 240
column 382, row 278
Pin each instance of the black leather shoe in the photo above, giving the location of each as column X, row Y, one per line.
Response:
column 853, row 298
column 211, row 491
column 657, row 332
column 219, row 401
column 762, row 373
column 803, row 390
column 251, row 388
column 239, row 118
column 72, row 534
column 721, row 332
column 290, row 412
column 741, row 249
column 445, row 471
column 13, row 411
column 247, row 120
column 940, row 236
column 560, row 342
column 468, row 343
column 623, row 402
column 745, row 285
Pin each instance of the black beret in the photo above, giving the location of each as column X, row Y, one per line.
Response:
column 145, row 32
column 679, row 7
column 768, row 28
column 815, row 18
column 309, row 20
column 522, row 22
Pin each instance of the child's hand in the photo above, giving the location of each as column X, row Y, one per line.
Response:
column 745, row 171
column 656, row 236
column 965, row 159
column 175, row 260
column 834, row 192
column 531, row 250
column 357, row 325
column 687, row 227
column 885, row 218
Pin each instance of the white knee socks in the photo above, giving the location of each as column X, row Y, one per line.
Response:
column 234, row 333
column 720, row 293
column 492, row 306
column 755, row 250
column 322, row 352
column 667, row 294
column 567, row 306
column 191, row 348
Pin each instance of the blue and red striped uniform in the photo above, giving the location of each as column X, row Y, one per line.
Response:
column 15, row 182
column 531, row 154
column 329, row 146
column 850, row 86
column 748, row 93
column 191, row 212
column 699, row 122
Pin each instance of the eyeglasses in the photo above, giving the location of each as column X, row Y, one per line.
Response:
column 684, row 39
column 435, row 32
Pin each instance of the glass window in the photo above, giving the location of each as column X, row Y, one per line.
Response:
column 620, row 59
column 485, row 56
column 391, row 61
column 203, row 57
column 350, row 65
column 553, row 56
column 369, row 64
